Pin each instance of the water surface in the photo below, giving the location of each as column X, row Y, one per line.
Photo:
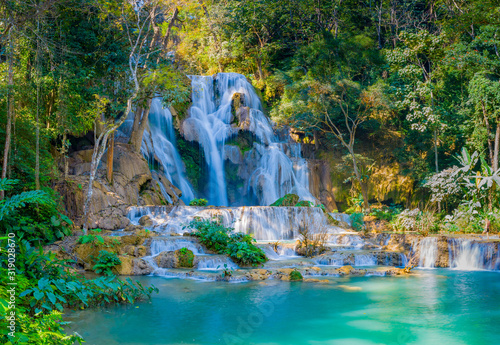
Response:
column 432, row 307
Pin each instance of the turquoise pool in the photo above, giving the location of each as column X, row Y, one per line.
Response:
column 432, row 307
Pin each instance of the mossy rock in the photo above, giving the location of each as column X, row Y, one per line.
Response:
column 304, row 203
column 296, row 276
column 185, row 257
column 287, row 200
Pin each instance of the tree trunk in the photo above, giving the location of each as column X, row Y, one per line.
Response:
column 37, row 130
column 10, row 114
column 436, row 151
column 109, row 162
column 497, row 147
column 140, row 122
column 364, row 187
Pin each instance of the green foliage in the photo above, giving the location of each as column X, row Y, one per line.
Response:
column 304, row 203
column 243, row 251
column 223, row 240
column 295, row 276
column 287, row 200
column 9, row 205
column 32, row 215
column 105, row 262
column 92, row 237
column 386, row 213
column 198, row 202
column 357, row 221
column 186, row 258
column 46, row 286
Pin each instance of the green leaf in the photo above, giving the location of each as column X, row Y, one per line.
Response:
column 38, row 294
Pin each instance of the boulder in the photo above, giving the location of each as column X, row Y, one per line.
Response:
column 167, row 260
column 131, row 266
column 146, row 221
column 258, row 274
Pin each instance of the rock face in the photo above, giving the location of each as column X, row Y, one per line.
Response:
column 131, row 266
column 132, row 246
column 132, row 185
column 181, row 258
column 320, row 183
column 443, row 253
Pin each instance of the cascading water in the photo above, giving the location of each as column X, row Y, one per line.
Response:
column 210, row 124
column 159, row 145
column 265, row 223
column 467, row 254
column 428, row 248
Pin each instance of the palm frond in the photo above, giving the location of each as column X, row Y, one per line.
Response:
column 6, row 184
column 19, row 200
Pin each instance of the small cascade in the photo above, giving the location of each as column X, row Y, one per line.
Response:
column 264, row 223
column 211, row 123
column 346, row 241
column 467, row 254
column 159, row 146
column 170, row 244
column 365, row 260
column 428, row 252
column 214, row 262
column 281, row 252
column 347, row 258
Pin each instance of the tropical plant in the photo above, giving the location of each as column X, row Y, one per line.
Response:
column 105, row 262
column 93, row 238
column 240, row 247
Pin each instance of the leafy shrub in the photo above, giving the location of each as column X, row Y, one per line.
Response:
column 186, row 257
column 357, row 222
column 105, row 261
column 386, row 213
column 295, row 276
column 311, row 244
column 245, row 253
column 32, row 215
column 198, row 202
column 287, row 200
column 212, row 234
column 223, row 240
column 424, row 222
column 93, row 237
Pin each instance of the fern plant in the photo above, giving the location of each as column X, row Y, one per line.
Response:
column 9, row 205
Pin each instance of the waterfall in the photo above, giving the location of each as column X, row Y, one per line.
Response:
column 210, row 124
column 214, row 262
column 159, row 145
column 428, row 248
column 159, row 245
column 264, row 223
column 467, row 254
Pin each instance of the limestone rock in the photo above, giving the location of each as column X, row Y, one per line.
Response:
column 443, row 258
column 146, row 221
column 167, row 260
column 258, row 274
column 131, row 266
